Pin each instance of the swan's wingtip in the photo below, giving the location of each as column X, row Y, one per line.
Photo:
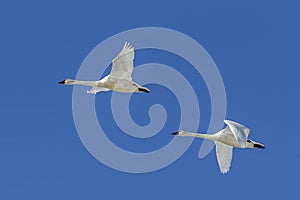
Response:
column 225, row 172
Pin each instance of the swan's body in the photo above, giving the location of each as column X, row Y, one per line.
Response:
column 119, row 78
column 234, row 135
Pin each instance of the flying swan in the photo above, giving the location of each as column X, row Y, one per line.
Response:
column 119, row 78
column 234, row 135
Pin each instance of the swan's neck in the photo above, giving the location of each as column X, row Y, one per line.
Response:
column 199, row 135
column 86, row 83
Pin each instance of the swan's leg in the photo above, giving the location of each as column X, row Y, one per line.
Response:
column 92, row 91
column 96, row 89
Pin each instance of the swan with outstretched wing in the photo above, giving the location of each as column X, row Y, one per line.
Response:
column 119, row 78
column 233, row 135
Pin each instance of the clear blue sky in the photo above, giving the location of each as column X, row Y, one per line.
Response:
column 256, row 46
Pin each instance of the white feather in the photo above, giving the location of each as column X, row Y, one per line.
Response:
column 224, row 156
column 239, row 131
column 122, row 65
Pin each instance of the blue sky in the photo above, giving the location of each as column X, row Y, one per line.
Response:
column 255, row 45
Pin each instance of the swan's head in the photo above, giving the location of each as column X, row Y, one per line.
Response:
column 180, row 132
column 67, row 81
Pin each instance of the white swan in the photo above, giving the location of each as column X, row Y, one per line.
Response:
column 234, row 135
column 119, row 78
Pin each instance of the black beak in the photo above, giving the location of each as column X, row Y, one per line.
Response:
column 175, row 133
column 144, row 90
column 62, row 82
column 259, row 146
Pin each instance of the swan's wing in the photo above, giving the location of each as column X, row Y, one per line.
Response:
column 122, row 65
column 224, row 156
column 239, row 131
